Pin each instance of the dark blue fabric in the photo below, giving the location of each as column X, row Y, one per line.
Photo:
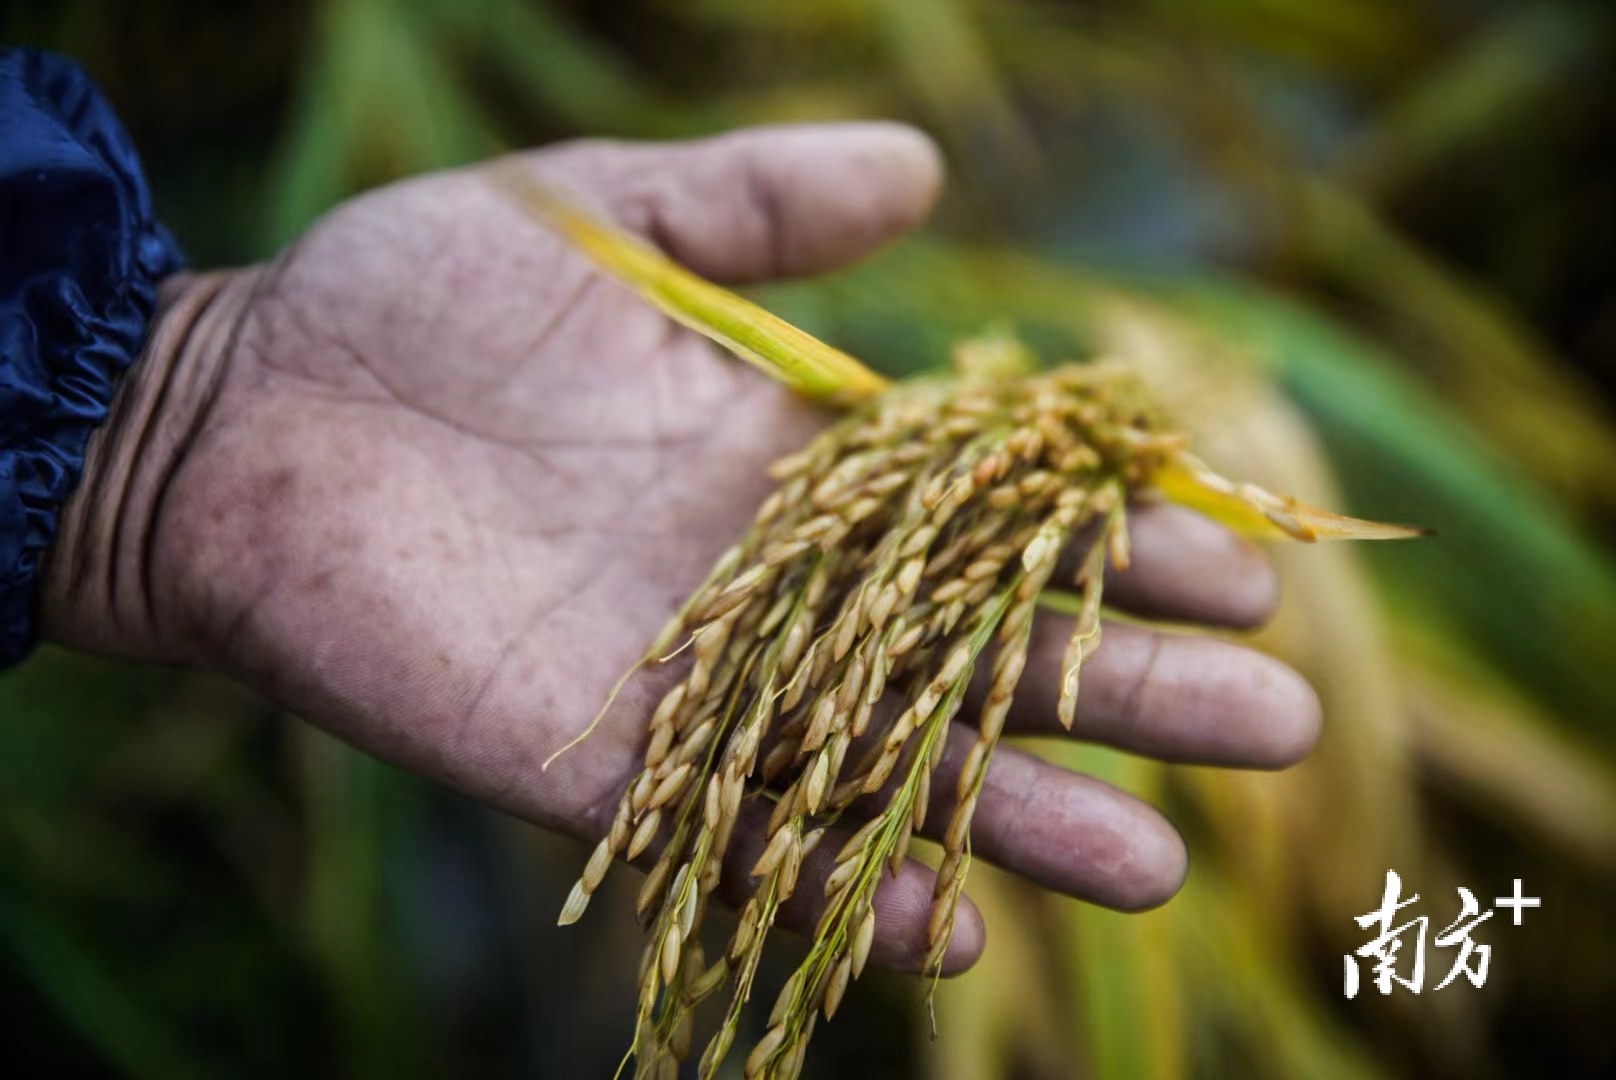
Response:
column 80, row 257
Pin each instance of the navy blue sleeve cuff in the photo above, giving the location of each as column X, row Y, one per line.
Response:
column 80, row 258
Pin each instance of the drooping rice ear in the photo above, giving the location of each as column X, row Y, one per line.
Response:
column 764, row 340
column 1247, row 509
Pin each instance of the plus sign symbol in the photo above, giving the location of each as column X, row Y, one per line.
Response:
column 1516, row 902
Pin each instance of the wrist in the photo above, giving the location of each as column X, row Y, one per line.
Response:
column 103, row 585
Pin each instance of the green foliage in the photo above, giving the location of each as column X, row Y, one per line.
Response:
column 1384, row 216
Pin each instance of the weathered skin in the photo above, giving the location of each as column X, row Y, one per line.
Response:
column 432, row 482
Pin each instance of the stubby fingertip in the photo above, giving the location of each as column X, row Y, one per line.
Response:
column 903, row 906
column 915, row 165
column 872, row 182
column 1294, row 716
column 968, row 940
column 1156, row 871
column 1254, row 592
column 1188, row 567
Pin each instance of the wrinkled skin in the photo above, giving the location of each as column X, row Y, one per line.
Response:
column 432, row 482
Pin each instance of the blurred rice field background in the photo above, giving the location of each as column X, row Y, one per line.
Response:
column 1364, row 247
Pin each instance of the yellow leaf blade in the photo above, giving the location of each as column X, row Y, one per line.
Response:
column 764, row 340
column 1251, row 511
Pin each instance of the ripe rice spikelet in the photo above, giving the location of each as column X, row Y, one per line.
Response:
column 909, row 536
column 926, row 525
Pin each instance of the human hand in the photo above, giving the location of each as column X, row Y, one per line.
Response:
column 433, row 482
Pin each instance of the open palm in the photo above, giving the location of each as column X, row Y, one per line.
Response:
column 433, row 482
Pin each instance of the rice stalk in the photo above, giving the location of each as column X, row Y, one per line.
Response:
column 831, row 649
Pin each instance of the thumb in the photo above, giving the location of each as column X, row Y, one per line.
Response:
column 765, row 202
